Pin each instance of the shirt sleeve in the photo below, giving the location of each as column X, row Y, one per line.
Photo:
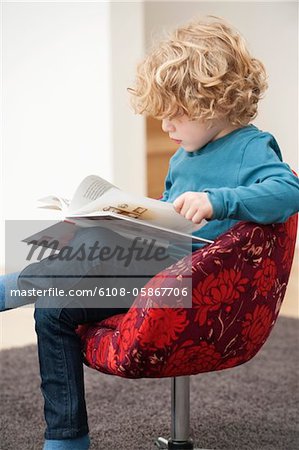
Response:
column 267, row 191
column 168, row 184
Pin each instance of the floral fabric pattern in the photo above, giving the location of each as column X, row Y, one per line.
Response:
column 215, row 290
column 238, row 285
column 264, row 278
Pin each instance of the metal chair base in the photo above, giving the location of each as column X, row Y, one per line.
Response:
column 163, row 443
column 171, row 444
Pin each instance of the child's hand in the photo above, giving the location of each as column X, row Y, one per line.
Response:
column 194, row 206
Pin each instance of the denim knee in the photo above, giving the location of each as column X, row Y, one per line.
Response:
column 49, row 318
column 93, row 234
column 45, row 317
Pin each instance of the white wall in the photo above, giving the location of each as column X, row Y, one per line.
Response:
column 66, row 67
column 127, row 48
column 270, row 29
column 56, row 84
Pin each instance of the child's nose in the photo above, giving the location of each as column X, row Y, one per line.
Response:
column 167, row 126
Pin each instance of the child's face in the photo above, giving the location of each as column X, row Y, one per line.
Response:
column 193, row 134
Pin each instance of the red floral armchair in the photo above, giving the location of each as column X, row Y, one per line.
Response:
column 238, row 285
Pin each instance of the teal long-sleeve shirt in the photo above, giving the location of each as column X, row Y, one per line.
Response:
column 244, row 176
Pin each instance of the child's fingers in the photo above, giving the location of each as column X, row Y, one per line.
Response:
column 179, row 202
column 198, row 217
column 190, row 213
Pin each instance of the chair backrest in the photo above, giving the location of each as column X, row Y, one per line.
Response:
column 239, row 283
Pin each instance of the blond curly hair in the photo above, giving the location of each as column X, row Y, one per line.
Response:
column 203, row 70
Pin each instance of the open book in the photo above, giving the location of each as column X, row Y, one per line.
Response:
column 96, row 199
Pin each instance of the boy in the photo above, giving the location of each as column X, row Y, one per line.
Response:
column 205, row 87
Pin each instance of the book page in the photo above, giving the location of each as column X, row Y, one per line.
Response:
column 89, row 190
column 137, row 208
column 54, row 202
column 96, row 197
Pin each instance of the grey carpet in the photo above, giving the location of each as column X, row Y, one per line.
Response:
column 254, row 406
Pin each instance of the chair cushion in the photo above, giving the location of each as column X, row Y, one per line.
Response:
column 238, row 284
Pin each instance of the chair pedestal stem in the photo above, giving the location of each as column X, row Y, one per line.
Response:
column 180, row 408
column 180, row 416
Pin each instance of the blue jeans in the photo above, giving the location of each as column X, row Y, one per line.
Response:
column 59, row 347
